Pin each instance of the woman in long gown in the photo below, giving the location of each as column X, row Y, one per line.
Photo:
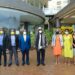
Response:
column 67, row 51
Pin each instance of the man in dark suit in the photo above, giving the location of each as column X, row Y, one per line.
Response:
column 3, row 44
column 17, row 39
column 40, row 44
column 12, row 48
column 25, row 45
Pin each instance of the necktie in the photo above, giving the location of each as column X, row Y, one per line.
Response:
column 41, row 39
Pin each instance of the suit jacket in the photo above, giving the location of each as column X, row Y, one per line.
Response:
column 4, row 41
column 9, row 42
column 44, row 41
column 17, row 41
column 24, row 45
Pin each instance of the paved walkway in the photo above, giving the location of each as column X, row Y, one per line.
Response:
column 32, row 69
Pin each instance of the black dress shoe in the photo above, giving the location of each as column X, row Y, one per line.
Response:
column 5, row 65
column 38, row 64
column 23, row 64
column 17, row 64
column 43, row 64
column 0, row 64
column 28, row 64
column 9, row 65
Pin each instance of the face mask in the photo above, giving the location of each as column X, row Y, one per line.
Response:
column 17, row 32
column 57, row 32
column 66, row 32
column 12, row 33
column 24, row 33
column 40, row 31
column 1, row 32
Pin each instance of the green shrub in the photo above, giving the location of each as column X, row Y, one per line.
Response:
column 32, row 39
column 48, row 34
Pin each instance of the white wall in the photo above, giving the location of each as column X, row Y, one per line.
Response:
column 53, row 8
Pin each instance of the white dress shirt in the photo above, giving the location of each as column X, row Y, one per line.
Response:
column 24, row 36
column 39, row 46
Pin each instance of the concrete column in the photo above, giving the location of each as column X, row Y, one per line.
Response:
column 74, row 27
column 57, row 22
column 26, row 26
column 49, row 25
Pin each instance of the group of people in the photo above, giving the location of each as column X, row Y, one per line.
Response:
column 16, row 40
column 64, row 45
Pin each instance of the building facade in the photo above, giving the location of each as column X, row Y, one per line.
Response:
column 16, row 13
column 37, row 3
column 54, row 6
column 67, row 15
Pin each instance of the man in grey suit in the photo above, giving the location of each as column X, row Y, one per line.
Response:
column 40, row 44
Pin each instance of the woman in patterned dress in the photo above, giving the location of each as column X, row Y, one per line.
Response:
column 57, row 44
